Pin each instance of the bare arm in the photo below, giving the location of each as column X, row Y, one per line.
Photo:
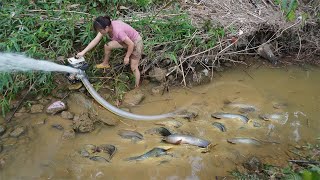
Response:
column 130, row 45
column 92, row 44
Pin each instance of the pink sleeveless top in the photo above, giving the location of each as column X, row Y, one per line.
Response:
column 121, row 30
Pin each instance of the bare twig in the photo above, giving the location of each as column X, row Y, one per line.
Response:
column 304, row 162
column 299, row 46
column 180, row 59
column 21, row 101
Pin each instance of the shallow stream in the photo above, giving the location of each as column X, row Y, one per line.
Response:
column 42, row 154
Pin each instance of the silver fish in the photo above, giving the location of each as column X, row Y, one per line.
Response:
column 155, row 152
column 220, row 115
column 281, row 118
column 220, row 126
column 186, row 139
column 128, row 134
column 241, row 140
column 242, row 106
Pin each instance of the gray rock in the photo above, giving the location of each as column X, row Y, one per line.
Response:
column 157, row 89
column 2, row 129
column 133, row 98
column 83, row 123
column 201, row 77
column 37, row 108
column 39, row 122
column 19, row 114
column 56, row 107
column 67, row 115
column 82, row 101
column 9, row 143
column 158, row 74
column 107, row 120
column 23, row 110
column 68, row 134
column 60, row 94
column 18, row 131
column 44, row 101
column 266, row 52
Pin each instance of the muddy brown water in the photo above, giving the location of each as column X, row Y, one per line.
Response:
column 46, row 156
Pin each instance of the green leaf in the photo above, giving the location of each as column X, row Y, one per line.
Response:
column 173, row 57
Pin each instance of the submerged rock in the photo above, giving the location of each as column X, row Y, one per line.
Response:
column 133, row 98
column 67, row 115
column 101, row 153
column 170, row 123
column 18, row 131
column 37, row 108
column 68, row 134
column 56, row 107
column 39, row 122
column 83, row 123
column 82, row 101
column 253, row 164
column 162, row 131
column 2, row 129
column 157, row 89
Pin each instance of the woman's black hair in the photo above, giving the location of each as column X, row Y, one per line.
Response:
column 101, row 22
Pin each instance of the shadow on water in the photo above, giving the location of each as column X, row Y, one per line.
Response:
column 294, row 92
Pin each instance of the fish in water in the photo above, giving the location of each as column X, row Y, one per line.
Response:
column 128, row 134
column 162, row 131
column 220, row 126
column 155, row 152
column 108, row 149
column 281, row 118
column 243, row 108
column 186, row 139
column 241, row 140
column 220, row 115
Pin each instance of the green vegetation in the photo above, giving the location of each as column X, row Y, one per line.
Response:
column 59, row 29
column 288, row 7
column 308, row 170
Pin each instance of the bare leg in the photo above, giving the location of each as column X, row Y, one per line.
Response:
column 107, row 51
column 135, row 69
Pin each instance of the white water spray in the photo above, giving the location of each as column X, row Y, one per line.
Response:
column 17, row 62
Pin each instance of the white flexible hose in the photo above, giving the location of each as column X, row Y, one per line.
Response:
column 115, row 110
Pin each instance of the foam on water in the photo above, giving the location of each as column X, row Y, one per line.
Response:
column 17, row 62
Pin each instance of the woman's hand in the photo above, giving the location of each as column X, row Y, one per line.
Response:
column 126, row 60
column 80, row 54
